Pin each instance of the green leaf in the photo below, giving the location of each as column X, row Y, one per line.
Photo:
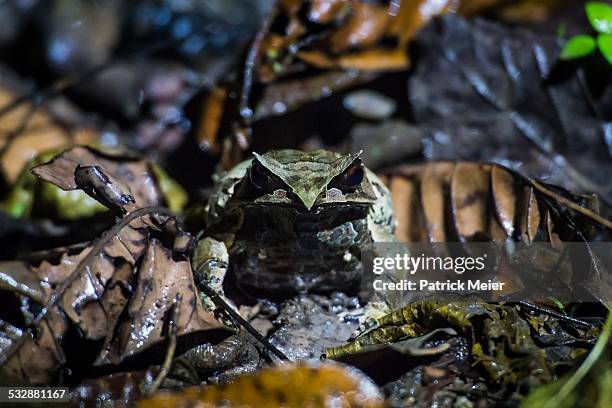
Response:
column 600, row 16
column 604, row 43
column 577, row 47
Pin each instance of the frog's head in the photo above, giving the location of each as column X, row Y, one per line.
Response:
column 307, row 180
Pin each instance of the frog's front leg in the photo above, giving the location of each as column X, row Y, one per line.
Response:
column 210, row 263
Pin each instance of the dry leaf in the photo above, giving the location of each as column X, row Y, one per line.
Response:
column 457, row 201
column 29, row 130
column 320, row 384
column 110, row 299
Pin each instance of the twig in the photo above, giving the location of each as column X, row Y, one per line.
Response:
column 222, row 304
column 244, row 110
column 95, row 251
column 570, row 204
column 557, row 315
column 172, row 332
column 585, row 367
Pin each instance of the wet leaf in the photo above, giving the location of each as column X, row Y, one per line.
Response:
column 63, row 198
column 356, row 41
column 600, row 16
column 119, row 389
column 128, row 283
column 516, row 11
column 578, row 46
column 289, row 385
column 284, row 96
column 40, row 357
column 324, row 11
column 502, row 346
column 365, row 26
column 160, row 279
column 474, row 202
column 481, row 94
column 454, row 201
column 61, row 172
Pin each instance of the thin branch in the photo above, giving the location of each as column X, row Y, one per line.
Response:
column 246, row 113
column 222, row 304
column 557, row 315
column 172, row 332
column 569, row 203
column 91, row 255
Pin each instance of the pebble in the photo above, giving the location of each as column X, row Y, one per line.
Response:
column 370, row 105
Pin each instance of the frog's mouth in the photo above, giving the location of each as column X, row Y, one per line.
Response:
column 288, row 202
column 323, row 217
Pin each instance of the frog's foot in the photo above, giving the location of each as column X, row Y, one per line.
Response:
column 210, row 264
column 368, row 321
column 207, row 357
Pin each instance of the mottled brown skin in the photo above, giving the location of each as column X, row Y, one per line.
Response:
column 294, row 221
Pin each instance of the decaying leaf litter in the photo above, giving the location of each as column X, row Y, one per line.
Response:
column 460, row 87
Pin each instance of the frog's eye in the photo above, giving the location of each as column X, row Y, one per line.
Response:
column 350, row 179
column 262, row 179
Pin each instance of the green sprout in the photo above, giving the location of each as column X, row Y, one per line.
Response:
column 583, row 45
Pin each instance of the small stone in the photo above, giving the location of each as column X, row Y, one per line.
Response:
column 370, row 105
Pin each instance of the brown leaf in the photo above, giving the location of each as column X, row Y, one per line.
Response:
column 325, row 11
column 434, row 187
column 160, row 280
column 516, row 11
column 208, row 125
column 465, row 200
column 366, row 36
column 29, row 130
column 283, row 96
column 85, row 299
column 380, row 59
column 314, row 384
column 469, row 198
column 39, row 357
column 125, row 173
column 410, row 16
column 504, row 192
column 365, row 27
column 102, row 187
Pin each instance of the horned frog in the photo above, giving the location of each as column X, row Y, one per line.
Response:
column 289, row 221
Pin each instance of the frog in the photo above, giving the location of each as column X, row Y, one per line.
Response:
column 290, row 221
